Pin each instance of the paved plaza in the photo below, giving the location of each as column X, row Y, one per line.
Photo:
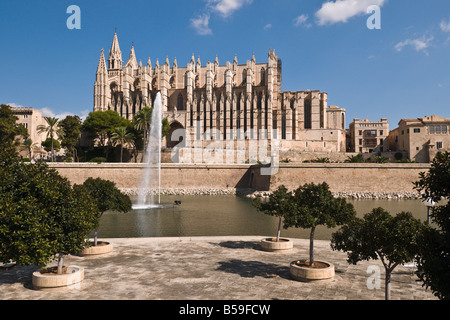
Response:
column 211, row 268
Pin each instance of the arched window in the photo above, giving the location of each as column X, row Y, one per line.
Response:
column 113, row 87
column 307, row 114
column 137, row 85
column 263, row 76
column 259, row 105
column 180, row 105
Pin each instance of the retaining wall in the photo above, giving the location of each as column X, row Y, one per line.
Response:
column 345, row 177
column 342, row 177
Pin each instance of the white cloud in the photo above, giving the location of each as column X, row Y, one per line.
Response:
column 301, row 20
column 223, row 7
column 201, row 25
column 15, row 105
column 342, row 10
column 445, row 26
column 47, row 112
column 419, row 44
column 227, row 7
column 268, row 26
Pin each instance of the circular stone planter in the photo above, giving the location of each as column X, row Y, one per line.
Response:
column 322, row 271
column 73, row 275
column 101, row 248
column 272, row 245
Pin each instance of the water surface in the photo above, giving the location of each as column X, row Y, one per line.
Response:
column 224, row 216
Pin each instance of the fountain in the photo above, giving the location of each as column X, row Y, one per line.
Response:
column 151, row 179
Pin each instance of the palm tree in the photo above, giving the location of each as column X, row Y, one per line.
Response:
column 28, row 145
column 51, row 129
column 121, row 135
column 142, row 122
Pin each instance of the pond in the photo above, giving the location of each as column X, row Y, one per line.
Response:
column 224, row 216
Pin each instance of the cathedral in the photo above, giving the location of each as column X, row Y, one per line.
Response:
column 234, row 101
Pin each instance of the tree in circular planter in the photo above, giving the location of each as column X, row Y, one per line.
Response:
column 433, row 265
column 279, row 204
column 41, row 215
column 315, row 205
column 393, row 240
column 107, row 198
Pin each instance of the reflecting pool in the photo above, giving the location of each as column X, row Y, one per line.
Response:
column 224, row 216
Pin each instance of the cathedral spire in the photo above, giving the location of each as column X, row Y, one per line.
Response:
column 115, row 55
column 101, row 68
column 132, row 60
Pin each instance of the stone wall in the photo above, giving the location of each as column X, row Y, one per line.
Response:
column 345, row 179
column 174, row 176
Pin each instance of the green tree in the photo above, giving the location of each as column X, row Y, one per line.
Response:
column 165, row 127
column 41, row 215
column 28, row 144
column 51, row 145
column 355, row 159
column 393, row 240
column 9, row 128
column 315, row 205
column 99, row 126
column 107, row 198
column 381, row 159
column 53, row 129
column 142, row 121
column 434, row 257
column 121, row 136
column 71, row 127
column 279, row 204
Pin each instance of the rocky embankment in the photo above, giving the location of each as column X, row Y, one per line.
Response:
column 253, row 194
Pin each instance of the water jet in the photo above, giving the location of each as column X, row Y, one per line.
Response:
column 151, row 178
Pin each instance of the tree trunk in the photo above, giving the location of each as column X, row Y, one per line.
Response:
column 95, row 236
column 279, row 230
column 145, row 145
column 60, row 263
column 311, row 246
column 107, row 152
column 387, row 285
column 53, row 156
column 121, row 153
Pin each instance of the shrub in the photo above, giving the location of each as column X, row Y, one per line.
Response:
column 398, row 156
column 98, row 160
column 41, row 215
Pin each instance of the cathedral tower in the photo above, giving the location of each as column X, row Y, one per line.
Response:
column 115, row 55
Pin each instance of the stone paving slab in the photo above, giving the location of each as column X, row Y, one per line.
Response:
column 210, row 268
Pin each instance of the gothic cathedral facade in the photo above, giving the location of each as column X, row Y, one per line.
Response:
column 231, row 101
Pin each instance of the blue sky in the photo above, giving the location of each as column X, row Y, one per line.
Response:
column 399, row 71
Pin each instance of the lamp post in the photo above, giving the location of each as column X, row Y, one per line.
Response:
column 429, row 203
